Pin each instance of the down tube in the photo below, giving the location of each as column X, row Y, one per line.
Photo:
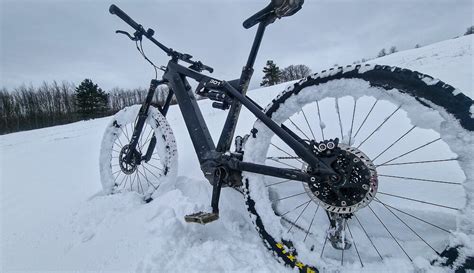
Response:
column 197, row 128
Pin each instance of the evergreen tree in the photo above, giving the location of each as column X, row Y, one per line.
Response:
column 393, row 49
column 91, row 100
column 417, row 46
column 272, row 74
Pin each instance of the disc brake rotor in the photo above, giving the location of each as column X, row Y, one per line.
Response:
column 127, row 167
column 355, row 187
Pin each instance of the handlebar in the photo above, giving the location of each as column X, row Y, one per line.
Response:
column 140, row 31
column 122, row 15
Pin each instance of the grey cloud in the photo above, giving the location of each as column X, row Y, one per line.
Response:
column 72, row 40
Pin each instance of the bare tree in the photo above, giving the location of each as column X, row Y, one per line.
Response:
column 295, row 72
column 382, row 53
column 469, row 31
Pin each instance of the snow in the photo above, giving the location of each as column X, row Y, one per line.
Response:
column 54, row 217
column 449, row 61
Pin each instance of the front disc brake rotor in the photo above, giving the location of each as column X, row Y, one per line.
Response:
column 127, row 167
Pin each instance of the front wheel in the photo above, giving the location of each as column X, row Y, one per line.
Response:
column 401, row 142
column 154, row 161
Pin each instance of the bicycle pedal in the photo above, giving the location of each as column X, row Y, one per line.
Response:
column 201, row 217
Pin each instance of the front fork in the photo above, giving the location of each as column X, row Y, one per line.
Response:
column 140, row 122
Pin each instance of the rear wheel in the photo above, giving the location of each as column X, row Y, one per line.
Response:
column 153, row 162
column 402, row 144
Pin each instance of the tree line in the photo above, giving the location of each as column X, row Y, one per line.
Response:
column 28, row 107
column 274, row 75
column 51, row 104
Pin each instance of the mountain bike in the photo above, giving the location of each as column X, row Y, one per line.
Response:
column 352, row 166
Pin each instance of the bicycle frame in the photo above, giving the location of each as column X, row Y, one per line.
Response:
column 211, row 156
column 218, row 163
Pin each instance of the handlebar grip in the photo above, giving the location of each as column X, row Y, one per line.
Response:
column 113, row 9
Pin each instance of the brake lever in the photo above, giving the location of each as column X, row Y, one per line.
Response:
column 125, row 33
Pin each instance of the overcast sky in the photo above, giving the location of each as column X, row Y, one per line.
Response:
column 46, row 40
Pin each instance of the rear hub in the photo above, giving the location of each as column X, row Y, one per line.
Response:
column 353, row 188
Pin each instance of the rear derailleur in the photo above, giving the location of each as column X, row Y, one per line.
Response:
column 336, row 233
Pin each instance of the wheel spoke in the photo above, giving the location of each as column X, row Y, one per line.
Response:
column 411, row 151
column 144, row 174
column 352, row 122
column 368, row 237
column 278, row 183
column 321, row 124
column 299, row 129
column 150, row 172
column 365, row 119
column 290, row 196
column 280, row 149
column 355, row 245
column 115, row 180
column 416, row 200
column 395, row 142
column 125, row 183
column 418, row 162
column 126, row 133
column 324, row 246
column 132, row 181
column 139, row 183
column 153, row 166
column 283, row 157
column 413, row 216
column 311, row 224
column 420, row 179
column 118, row 138
column 339, row 117
column 393, row 237
column 147, row 138
column 297, row 218
column 380, row 126
column 283, row 163
column 410, row 228
column 305, row 118
column 344, row 242
column 295, row 208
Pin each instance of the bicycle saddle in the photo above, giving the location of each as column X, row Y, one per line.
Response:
column 276, row 9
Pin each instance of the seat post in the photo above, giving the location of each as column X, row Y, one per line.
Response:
column 247, row 71
column 256, row 44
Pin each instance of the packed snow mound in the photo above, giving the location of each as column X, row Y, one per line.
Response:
column 450, row 61
column 54, row 217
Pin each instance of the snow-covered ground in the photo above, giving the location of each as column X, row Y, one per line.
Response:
column 53, row 217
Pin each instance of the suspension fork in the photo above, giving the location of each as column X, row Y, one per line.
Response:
column 142, row 116
column 163, row 110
